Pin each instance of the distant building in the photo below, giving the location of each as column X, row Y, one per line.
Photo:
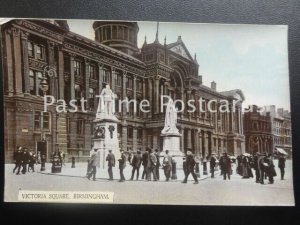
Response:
column 281, row 128
column 258, row 131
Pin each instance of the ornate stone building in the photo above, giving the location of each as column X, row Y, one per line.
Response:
column 44, row 57
column 258, row 131
column 281, row 128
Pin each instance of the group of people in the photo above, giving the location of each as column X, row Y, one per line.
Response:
column 150, row 161
column 24, row 160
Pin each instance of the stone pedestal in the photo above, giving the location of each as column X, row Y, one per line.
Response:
column 171, row 142
column 105, row 139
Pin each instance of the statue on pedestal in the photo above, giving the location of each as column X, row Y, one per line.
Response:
column 170, row 119
column 106, row 106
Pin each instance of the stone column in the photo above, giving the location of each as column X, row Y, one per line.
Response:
column 150, row 92
column 182, row 139
column 206, row 143
column 124, row 95
column 200, row 143
column 156, row 94
column 124, row 136
column 189, row 138
column 24, row 38
column 87, row 83
column 196, row 141
column 52, row 80
column 17, row 60
column 134, row 94
column 72, row 77
column 9, row 63
column 217, row 150
column 100, row 77
column 134, row 139
column 242, row 123
column 113, row 77
column 60, row 74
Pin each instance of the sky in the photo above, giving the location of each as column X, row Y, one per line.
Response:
column 253, row 58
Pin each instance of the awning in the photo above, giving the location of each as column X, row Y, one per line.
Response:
column 280, row 150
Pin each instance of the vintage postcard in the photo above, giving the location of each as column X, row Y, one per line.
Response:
column 126, row 112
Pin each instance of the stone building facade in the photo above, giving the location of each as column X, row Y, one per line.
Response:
column 281, row 128
column 258, row 131
column 43, row 57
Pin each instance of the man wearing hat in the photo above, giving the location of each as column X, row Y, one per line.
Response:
column 281, row 165
column 122, row 165
column 110, row 158
column 212, row 165
column 225, row 164
column 93, row 163
column 256, row 167
column 190, row 164
column 136, row 164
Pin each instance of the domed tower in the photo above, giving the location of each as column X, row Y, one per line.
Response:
column 119, row 35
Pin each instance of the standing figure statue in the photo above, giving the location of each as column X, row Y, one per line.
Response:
column 106, row 106
column 170, row 118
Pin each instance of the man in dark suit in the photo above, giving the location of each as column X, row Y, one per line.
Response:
column 190, row 164
column 151, row 165
column 281, row 165
column 157, row 164
column 136, row 164
column 93, row 163
column 225, row 164
column 18, row 159
column 122, row 165
column 144, row 163
column 212, row 166
column 255, row 167
column 25, row 160
column 110, row 158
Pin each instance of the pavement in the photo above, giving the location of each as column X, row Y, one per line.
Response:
column 217, row 191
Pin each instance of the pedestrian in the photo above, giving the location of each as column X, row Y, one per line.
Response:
column 39, row 157
column 122, row 165
column 225, row 164
column 144, row 163
column 263, row 165
column 190, row 164
column 184, row 167
column 136, row 164
column 157, row 163
column 271, row 169
column 25, row 160
column 167, row 165
column 212, row 165
column 151, row 165
column 93, row 163
column 18, row 159
column 281, row 165
column 111, row 161
column 247, row 173
column 32, row 161
column 239, row 165
column 255, row 167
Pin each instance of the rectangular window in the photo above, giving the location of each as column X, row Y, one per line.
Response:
column 46, row 120
column 139, row 85
column 77, row 67
column 106, row 76
column 31, row 82
column 118, row 80
column 30, row 49
column 39, row 53
column 93, row 72
column 42, row 120
column 130, row 132
column 129, row 82
column 37, row 120
column 80, row 126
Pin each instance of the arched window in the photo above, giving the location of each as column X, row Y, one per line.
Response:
column 78, row 94
column 30, row 49
column 31, row 82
